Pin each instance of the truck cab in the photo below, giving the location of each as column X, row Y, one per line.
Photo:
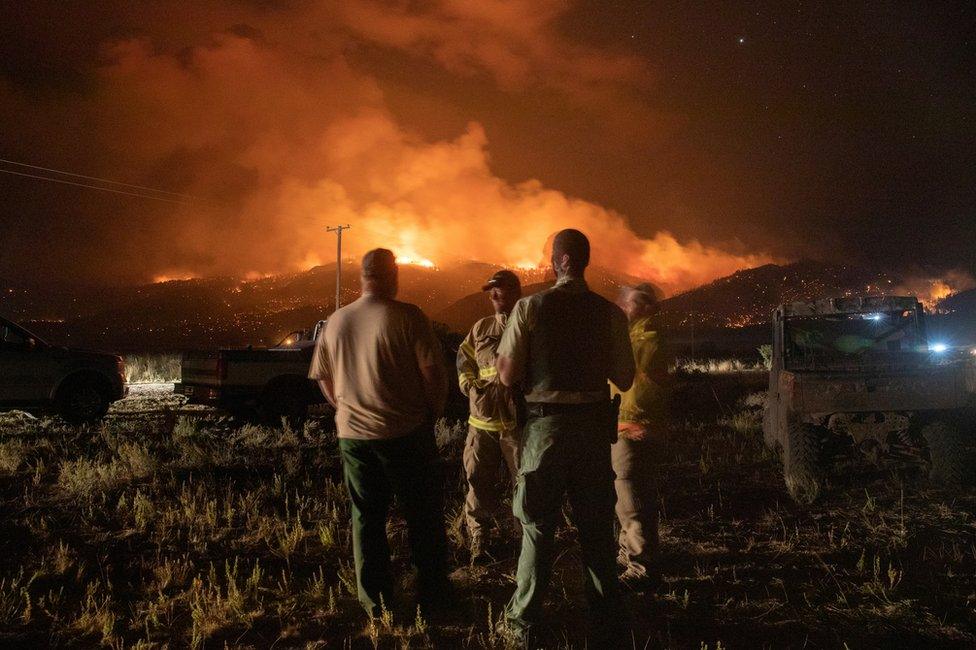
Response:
column 79, row 385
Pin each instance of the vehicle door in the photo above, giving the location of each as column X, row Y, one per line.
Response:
column 26, row 367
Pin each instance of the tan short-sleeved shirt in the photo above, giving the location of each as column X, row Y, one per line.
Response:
column 372, row 350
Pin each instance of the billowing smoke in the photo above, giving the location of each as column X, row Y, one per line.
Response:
column 281, row 140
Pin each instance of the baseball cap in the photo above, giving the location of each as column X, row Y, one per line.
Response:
column 503, row 278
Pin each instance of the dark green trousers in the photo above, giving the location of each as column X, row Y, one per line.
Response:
column 375, row 471
column 566, row 455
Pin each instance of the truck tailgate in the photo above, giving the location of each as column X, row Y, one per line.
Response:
column 200, row 368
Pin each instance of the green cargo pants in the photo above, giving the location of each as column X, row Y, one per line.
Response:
column 375, row 470
column 567, row 454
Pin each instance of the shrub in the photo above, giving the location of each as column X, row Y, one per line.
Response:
column 12, row 455
column 152, row 368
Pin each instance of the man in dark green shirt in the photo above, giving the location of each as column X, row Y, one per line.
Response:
column 562, row 346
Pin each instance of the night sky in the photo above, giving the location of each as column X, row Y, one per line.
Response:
column 689, row 141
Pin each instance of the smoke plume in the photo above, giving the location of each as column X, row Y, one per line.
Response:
column 283, row 136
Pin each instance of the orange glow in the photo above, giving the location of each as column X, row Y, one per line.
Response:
column 431, row 201
column 175, row 277
column 931, row 291
column 415, row 261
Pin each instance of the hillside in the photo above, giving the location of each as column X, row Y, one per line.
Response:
column 748, row 297
column 204, row 313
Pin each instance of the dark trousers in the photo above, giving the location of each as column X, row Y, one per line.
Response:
column 375, row 471
column 566, row 455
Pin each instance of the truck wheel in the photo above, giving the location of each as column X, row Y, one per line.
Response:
column 947, row 453
column 81, row 402
column 801, row 462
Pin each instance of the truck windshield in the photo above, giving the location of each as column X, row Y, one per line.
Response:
column 15, row 337
column 825, row 340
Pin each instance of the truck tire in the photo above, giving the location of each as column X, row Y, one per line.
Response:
column 82, row 400
column 802, row 467
column 947, row 453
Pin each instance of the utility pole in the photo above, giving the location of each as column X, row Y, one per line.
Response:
column 338, row 231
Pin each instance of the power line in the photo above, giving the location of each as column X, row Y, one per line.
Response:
column 94, row 187
column 96, row 178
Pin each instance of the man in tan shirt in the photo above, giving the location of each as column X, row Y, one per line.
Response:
column 379, row 364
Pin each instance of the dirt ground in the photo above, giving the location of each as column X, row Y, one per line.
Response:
column 163, row 529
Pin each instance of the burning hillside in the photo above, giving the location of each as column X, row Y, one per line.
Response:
column 280, row 144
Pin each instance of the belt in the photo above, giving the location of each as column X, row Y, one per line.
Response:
column 545, row 409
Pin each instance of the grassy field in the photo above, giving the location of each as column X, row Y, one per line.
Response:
column 166, row 530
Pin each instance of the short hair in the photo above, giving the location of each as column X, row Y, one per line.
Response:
column 379, row 263
column 644, row 294
column 573, row 243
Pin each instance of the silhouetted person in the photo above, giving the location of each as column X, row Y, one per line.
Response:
column 641, row 433
column 492, row 428
column 378, row 362
column 563, row 345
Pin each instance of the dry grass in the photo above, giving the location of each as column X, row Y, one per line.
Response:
column 149, row 533
column 716, row 366
column 152, row 368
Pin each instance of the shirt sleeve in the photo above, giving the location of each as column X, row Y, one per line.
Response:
column 515, row 339
column 622, row 352
column 321, row 366
column 467, row 364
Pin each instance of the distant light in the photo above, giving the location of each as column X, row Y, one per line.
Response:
column 742, row 39
column 938, row 348
column 874, row 317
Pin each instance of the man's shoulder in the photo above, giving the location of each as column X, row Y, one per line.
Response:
column 484, row 324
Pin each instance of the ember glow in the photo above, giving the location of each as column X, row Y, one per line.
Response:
column 930, row 291
column 175, row 277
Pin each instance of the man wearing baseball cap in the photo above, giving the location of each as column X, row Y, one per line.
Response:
column 492, row 432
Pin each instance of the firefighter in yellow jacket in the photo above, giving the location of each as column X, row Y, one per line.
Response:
column 492, row 431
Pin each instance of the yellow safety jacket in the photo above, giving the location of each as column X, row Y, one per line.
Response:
column 647, row 400
column 491, row 404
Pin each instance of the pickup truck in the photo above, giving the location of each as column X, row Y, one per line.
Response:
column 79, row 385
column 270, row 383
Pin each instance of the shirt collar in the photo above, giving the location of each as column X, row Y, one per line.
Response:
column 574, row 284
column 502, row 318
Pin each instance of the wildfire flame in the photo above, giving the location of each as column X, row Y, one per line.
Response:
column 415, row 261
column 931, row 291
column 175, row 277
